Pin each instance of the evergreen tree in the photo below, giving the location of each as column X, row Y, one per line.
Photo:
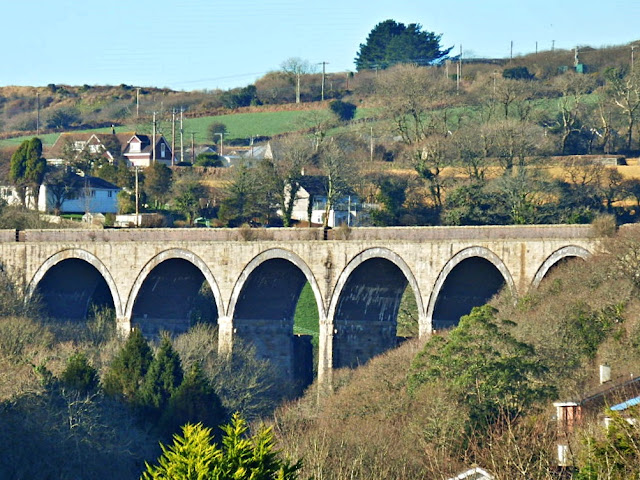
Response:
column 129, row 367
column 162, row 379
column 79, row 374
column 193, row 401
column 194, row 456
column 391, row 42
column 484, row 368
column 27, row 168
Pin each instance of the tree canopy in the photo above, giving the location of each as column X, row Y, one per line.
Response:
column 391, row 42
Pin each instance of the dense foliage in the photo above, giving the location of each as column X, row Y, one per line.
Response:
column 392, row 42
column 194, row 455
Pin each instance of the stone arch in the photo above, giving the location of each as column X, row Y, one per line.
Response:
column 173, row 253
column 376, row 252
column 79, row 254
column 271, row 254
column 555, row 257
column 465, row 254
column 356, row 340
column 262, row 312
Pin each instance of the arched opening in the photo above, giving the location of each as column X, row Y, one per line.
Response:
column 366, row 314
column 174, row 296
column 71, row 288
column 559, row 258
column 264, row 316
column 558, row 266
column 471, row 283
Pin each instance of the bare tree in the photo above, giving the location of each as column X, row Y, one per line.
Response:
column 409, row 94
column 337, row 165
column 624, row 91
column 291, row 155
column 296, row 67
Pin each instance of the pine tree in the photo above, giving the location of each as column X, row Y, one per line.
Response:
column 193, row 401
column 162, row 379
column 129, row 367
column 194, row 456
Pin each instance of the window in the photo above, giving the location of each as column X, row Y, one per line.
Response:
column 110, row 193
column 163, row 149
column 79, row 145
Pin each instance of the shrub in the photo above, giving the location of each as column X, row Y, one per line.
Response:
column 79, row 374
column 127, row 371
column 345, row 111
column 208, row 160
column 194, row 455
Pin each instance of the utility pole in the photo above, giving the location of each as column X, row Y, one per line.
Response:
column 370, row 148
column 137, row 102
column 221, row 137
column 511, row 54
column 173, row 137
column 193, row 148
column 323, row 76
column 137, row 199
column 632, row 48
column 553, row 45
column 38, row 105
column 536, row 47
column 153, row 159
column 181, row 137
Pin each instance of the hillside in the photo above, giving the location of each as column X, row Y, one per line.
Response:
column 377, row 424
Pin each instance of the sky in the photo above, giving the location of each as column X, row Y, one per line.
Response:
column 209, row 44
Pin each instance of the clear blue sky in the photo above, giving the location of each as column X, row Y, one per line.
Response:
column 205, row 44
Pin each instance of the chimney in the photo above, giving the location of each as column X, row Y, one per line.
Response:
column 113, row 129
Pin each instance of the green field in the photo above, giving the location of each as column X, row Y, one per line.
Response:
column 239, row 125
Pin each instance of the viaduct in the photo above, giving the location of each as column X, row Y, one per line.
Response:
column 151, row 278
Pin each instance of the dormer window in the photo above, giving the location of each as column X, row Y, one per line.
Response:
column 79, row 145
column 135, row 146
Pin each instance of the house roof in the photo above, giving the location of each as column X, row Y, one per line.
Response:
column 79, row 181
column 632, row 402
column 317, row 185
column 314, row 184
column 124, row 138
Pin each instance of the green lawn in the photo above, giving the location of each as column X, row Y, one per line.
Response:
column 306, row 317
column 239, row 125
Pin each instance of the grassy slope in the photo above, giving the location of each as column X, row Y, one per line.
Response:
column 239, row 125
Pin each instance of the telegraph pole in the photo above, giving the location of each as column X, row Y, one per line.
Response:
column 173, row 137
column 181, row 137
column 137, row 102
column 137, row 199
column 154, row 139
column 632, row 48
column 221, row 137
column 38, row 104
column 323, row 77
column 193, row 148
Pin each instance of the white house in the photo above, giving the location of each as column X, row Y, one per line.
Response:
column 90, row 195
column 313, row 189
column 81, row 195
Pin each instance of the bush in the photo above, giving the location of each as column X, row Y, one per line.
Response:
column 79, row 374
column 517, row 73
column 195, row 455
column 208, row 160
column 345, row 111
